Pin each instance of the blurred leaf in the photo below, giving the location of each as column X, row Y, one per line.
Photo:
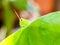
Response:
column 43, row 31
column 9, row 16
column 19, row 4
column 0, row 0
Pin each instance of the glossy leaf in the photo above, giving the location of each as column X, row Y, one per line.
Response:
column 43, row 31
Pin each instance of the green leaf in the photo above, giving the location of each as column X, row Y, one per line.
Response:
column 19, row 4
column 43, row 31
column 8, row 16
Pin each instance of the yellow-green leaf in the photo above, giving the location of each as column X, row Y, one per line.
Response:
column 43, row 31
